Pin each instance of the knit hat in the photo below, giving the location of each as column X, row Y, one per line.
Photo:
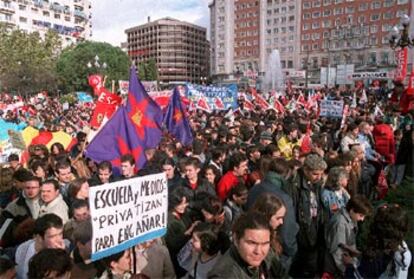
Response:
column 266, row 135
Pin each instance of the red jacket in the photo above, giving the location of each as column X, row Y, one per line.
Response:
column 228, row 181
column 384, row 142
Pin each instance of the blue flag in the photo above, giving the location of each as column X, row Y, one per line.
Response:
column 176, row 121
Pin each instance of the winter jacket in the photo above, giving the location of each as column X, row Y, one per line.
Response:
column 347, row 141
column 340, row 230
column 231, row 265
column 15, row 213
column 300, row 190
column 384, row 142
column 228, row 181
column 58, row 207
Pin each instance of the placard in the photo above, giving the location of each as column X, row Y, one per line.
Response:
column 128, row 212
column 331, row 108
column 16, row 139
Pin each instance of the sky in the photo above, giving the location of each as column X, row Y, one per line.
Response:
column 110, row 18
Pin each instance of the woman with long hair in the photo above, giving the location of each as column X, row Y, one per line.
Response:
column 274, row 210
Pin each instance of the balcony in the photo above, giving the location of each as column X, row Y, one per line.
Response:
column 57, row 7
column 79, row 14
column 7, row 21
column 7, row 7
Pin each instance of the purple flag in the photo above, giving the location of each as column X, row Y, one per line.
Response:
column 176, row 120
column 131, row 130
column 144, row 113
column 116, row 138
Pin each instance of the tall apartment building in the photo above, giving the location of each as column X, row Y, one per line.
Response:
column 244, row 32
column 247, row 35
column 335, row 32
column 70, row 18
column 283, row 31
column 222, row 38
column 180, row 49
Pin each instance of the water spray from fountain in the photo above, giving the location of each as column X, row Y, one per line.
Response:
column 274, row 79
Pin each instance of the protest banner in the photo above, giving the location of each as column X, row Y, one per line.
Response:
column 331, row 108
column 16, row 139
column 226, row 94
column 128, row 212
column 370, row 75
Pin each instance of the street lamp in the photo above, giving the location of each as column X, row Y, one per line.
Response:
column 203, row 80
column 96, row 64
column 399, row 37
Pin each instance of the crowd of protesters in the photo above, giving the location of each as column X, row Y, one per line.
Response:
column 258, row 194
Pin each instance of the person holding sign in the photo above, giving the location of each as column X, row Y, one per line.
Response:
column 118, row 266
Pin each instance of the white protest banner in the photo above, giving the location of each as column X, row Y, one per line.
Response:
column 330, row 108
column 370, row 75
column 127, row 212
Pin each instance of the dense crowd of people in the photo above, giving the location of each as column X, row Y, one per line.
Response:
column 258, row 194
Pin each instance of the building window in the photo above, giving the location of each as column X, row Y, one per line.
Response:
column 315, row 25
column 387, row 15
column 22, row 7
column 23, row 20
column 306, row 16
column 401, row 13
column 363, row 7
column 338, row 11
column 290, row 62
column 67, row 18
column 350, row 10
column 375, row 17
column 326, row 2
column 373, row 58
column 388, row 3
column 375, row 5
column 400, row 2
column 316, row 15
column 317, row 4
column 326, row 12
column 57, row 16
column 305, row 26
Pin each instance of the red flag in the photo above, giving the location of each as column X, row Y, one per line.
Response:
column 203, row 105
column 407, row 97
column 259, row 100
column 96, row 82
column 278, row 106
column 301, row 100
column 218, row 103
column 401, row 56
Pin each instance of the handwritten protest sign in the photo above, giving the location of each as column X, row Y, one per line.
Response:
column 127, row 212
column 331, row 108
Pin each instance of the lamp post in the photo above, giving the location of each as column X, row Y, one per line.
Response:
column 96, row 64
column 399, row 37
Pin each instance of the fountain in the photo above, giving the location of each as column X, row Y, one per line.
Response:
column 274, row 79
